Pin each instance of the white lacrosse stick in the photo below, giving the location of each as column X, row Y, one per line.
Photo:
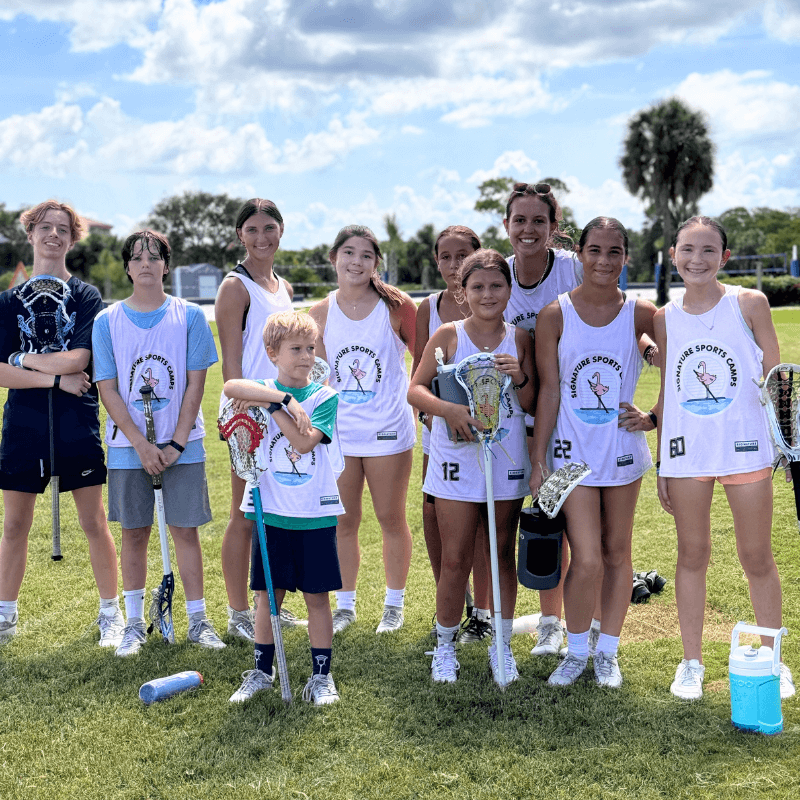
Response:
column 556, row 487
column 780, row 394
column 484, row 385
column 244, row 432
column 320, row 371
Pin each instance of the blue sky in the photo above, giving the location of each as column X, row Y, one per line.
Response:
column 342, row 111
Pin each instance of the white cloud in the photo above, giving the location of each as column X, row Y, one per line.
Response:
column 609, row 199
column 62, row 139
column 412, row 130
column 743, row 104
column 512, row 163
column 782, row 20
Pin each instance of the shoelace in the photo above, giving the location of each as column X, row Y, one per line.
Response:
column 253, row 680
column 107, row 623
column 391, row 617
column 689, row 676
column 571, row 667
column 604, row 664
column 319, row 684
column 548, row 633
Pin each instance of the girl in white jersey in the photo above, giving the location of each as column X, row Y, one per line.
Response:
column 247, row 296
column 540, row 272
column 587, row 358
column 452, row 246
column 365, row 328
column 456, row 472
column 714, row 341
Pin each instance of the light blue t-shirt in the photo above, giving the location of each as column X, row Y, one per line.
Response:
column 201, row 353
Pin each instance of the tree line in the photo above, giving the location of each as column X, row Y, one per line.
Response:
column 667, row 161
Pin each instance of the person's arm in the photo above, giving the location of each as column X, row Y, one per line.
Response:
column 660, row 326
column 232, row 299
column 633, row 418
column 76, row 383
column 404, row 321
column 422, row 335
column 549, row 326
column 520, row 368
column 289, row 288
column 190, row 408
column 420, row 395
column 154, row 460
column 319, row 313
column 302, row 441
column 757, row 315
column 62, row 363
column 252, row 393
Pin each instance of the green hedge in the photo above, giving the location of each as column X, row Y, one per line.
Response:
column 781, row 290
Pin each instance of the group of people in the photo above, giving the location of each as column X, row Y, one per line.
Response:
column 569, row 398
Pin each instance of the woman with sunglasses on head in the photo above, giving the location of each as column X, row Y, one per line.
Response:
column 540, row 272
column 246, row 297
column 365, row 327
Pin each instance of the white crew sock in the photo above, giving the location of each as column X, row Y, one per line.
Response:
column 196, row 607
column 482, row 614
column 346, row 600
column 578, row 645
column 607, row 644
column 508, row 625
column 134, row 603
column 395, row 597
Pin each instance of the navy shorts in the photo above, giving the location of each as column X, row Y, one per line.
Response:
column 304, row 560
column 33, row 477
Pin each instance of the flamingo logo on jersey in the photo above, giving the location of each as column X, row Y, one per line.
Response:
column 157, row 372
column 594, row 389
column 706, row 377
column 357, row 374
column 287, row 465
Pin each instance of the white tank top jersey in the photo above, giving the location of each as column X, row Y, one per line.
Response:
column 599, row 368
column 295, row 485
column 524, row 304
column 434, row 323
column 368, row 369
column 154, row 357
column 714, row 423
column 455, row 470
column 255, row 361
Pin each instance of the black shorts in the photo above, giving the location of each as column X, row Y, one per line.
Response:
column 33, row 477
column 304, row 560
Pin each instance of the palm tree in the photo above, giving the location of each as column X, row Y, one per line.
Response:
column 669, row 162
column 392, row 248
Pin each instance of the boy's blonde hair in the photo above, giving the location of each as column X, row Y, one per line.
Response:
column 284, row 324
column 33, row 216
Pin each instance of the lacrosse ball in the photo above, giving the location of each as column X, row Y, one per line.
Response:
column 540, row 545
column 162, row 688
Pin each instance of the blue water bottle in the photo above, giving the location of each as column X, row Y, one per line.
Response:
column 755, row 681
column 162, row 688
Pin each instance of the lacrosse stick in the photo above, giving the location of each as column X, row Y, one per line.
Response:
column 44, row 330
column 484, row 385
column 244, row 432
column 780, row 394
column 320, row 371
column 161, row 606
column 556, row 487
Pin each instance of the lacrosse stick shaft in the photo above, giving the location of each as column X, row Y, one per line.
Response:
column 794, row 466
column 274, row 616
column 497, row 622
column 54, row 492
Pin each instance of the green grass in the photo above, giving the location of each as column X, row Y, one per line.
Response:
column 72, row 726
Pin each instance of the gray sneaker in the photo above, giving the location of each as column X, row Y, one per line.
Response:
column 320, row 690
column 8, row 626
column 241, row 624
column 202, row 632
column 392, row 620
column 343, row 617
column 549, row 637
column 606, row 670
column 254, row 681
column 111, row 628
column 291, row 620
column 133, row 637
column 568, row 671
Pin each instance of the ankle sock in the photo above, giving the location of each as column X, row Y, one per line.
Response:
column 109, row 606
column 196, row 607
column 8, row 608
column 607, row 644
column 395, row 597
column 446, row 636
column 346, row 601
column 134, row 603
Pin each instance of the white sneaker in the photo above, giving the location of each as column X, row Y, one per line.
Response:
column 445, row 666
column 254, row 681
column 289, row 619
column 688, row 683
column 201, row 631
column 241, row 624
column 568, row 671
column 392, row 620
column 342, row 618
column 606, row 670
column 133, row 637
column 787, row 682
column 8, row 626
column 549, row 637
column 510, row 664
column 321, row 690
column 111, row 628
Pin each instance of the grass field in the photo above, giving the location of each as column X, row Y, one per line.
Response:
column 72, row 726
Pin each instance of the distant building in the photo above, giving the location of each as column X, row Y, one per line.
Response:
column 91, row 226
column 196, row 281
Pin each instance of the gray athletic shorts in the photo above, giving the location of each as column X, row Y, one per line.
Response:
column 131, row 500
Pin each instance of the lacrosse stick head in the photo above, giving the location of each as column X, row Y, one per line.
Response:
column 47, row 325
column 244, row 432
column 781, row 397
column 160, row 612
column 484, row 385
column 320, row 371
column 556, row 487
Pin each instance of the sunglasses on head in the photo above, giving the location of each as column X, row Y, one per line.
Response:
column 538, row 188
